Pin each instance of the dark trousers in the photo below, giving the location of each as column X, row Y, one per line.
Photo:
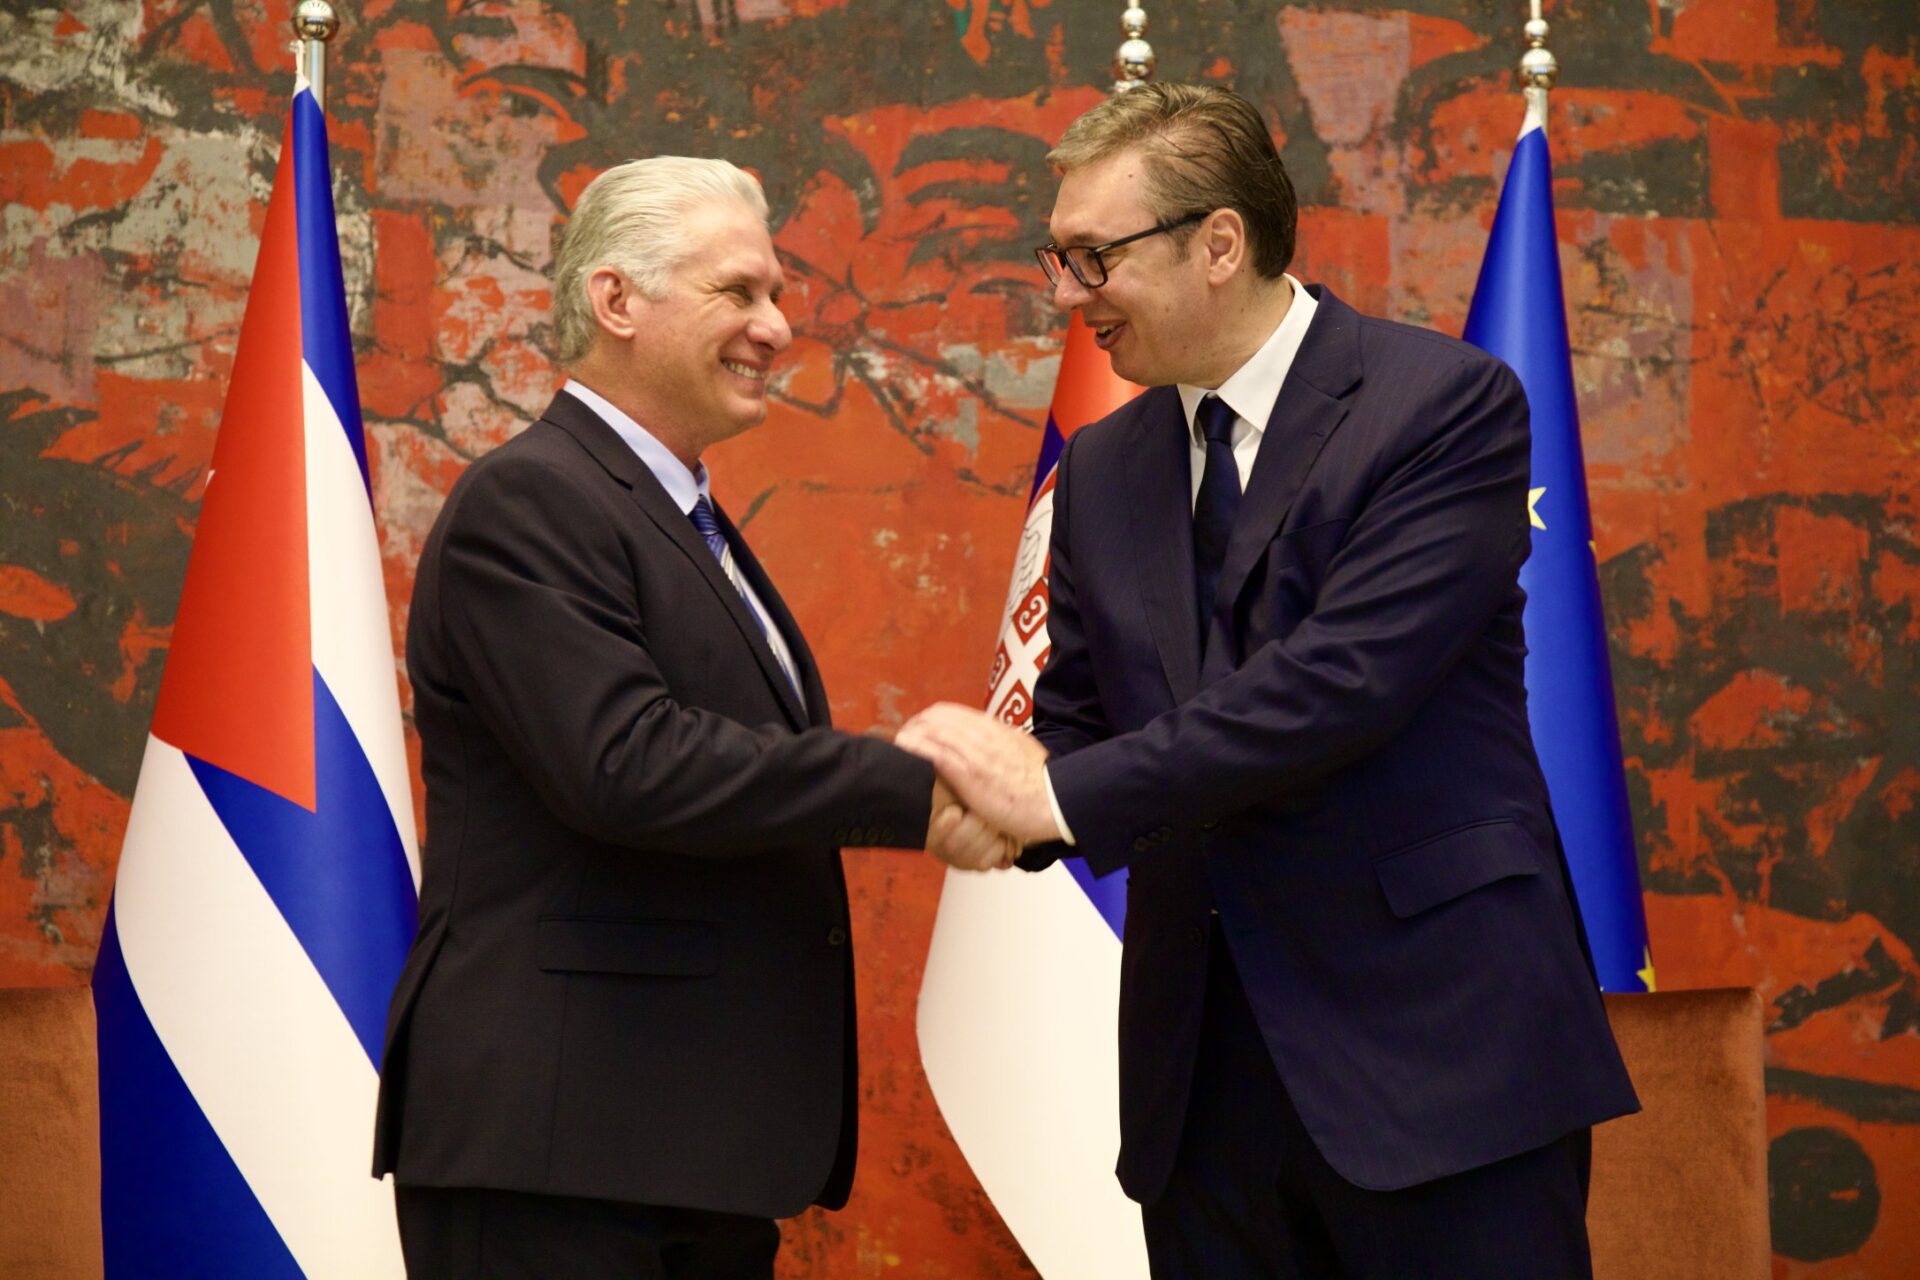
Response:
column 462, row 1233
column 1251, row 1198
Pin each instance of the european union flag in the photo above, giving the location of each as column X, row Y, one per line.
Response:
column 1519, row 315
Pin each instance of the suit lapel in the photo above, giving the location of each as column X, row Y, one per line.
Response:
column 1161, row 527
column 607, row 448
column 1311, row 407
column 679, row 529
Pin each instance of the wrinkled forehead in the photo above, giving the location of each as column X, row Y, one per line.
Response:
column 727, row 239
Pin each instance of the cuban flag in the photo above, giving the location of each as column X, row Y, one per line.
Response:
column 267, row 884
column 1518, row 314
column 1019, row 1007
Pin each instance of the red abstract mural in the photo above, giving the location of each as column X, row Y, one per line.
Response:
column 1737, row 183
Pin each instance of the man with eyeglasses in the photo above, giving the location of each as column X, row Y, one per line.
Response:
column 1360, row 1030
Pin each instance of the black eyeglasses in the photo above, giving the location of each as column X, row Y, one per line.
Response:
column 1088, row 263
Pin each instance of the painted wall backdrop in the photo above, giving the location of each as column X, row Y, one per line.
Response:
column 1737, row 187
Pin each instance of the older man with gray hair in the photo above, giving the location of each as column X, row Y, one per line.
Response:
column 624, row 1041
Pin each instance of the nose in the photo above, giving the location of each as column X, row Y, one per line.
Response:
column 1069, row 293
column 770, row 327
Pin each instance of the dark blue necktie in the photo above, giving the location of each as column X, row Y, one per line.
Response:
column 1214, row 510
column 705, row 523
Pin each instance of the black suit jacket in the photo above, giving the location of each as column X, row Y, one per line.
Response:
column 633, row 977
column 1346, row 775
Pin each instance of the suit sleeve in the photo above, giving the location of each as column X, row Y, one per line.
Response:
column 1067, row 714
column 542, row 625
column 1426, row 565
column 1066, row 704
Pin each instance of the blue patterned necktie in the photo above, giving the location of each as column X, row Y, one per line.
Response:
column 1216, row 506
column 708, row 527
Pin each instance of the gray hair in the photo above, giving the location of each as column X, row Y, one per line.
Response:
column 633, row 218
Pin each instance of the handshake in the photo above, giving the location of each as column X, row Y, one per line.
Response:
column 990, row 799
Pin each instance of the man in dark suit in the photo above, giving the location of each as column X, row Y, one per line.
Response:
column 624, row 1040
column 1360, row 1034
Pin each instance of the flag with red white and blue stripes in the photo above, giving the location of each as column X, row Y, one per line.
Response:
column 267, row 887
column 1019, row 1007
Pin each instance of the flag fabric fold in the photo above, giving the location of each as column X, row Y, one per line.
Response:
column 267, row 887
column 1519, row 315
column 1018, row 1016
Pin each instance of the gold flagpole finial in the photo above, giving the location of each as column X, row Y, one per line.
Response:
column 314, row 23
column 1133, row 61
column 1538, row 70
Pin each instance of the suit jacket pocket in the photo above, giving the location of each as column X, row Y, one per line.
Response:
column 1288, row 583
column 1419, row 877
column 590, row 944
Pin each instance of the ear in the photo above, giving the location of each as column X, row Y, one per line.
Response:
column 1223, row 241
column 615, row 302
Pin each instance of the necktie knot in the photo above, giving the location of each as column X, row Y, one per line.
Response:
column 1216, row 420
column 703, row 518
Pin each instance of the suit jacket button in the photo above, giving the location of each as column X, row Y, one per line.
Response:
column 1199, row 936
column 1142, row 844
column 836, row 937
column 1164, row 833
column 1211, row 824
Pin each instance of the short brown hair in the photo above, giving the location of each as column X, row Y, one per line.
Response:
column 1205, row 149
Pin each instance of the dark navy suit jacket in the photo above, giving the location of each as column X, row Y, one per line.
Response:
column 1346, row 775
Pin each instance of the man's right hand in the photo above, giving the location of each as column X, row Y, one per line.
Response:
column 962, row 839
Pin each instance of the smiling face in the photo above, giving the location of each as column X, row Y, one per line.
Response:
column 702, row 352
column 1151, row 316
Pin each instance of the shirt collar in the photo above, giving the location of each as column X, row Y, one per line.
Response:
column 1255, row 386
column 684, row 486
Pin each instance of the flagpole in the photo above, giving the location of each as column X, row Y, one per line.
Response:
column 1133, row 61
column 314, row 22
column 1538, row 70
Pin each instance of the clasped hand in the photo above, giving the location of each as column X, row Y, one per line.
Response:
column 991, row 797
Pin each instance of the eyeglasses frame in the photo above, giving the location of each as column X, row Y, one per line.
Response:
column 1051, row 253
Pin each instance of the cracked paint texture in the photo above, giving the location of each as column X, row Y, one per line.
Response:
column 1737, row 183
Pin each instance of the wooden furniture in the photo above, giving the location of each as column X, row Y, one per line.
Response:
column 1680, row 1190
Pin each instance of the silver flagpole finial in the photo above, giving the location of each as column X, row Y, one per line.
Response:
column 1133, row 61
column 314, row 22
column 1538, row 70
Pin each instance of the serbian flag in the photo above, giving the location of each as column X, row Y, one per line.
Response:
column 267, row 884
column 1518, row 314
column 1020, row 1003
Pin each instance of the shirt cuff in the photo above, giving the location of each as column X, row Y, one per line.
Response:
column 1053, row 802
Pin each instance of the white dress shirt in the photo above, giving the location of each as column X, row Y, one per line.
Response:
column 1251, row 392
column 685, row 487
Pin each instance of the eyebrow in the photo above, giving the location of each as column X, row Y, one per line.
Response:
column 747, row 280
column 1081, row 241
